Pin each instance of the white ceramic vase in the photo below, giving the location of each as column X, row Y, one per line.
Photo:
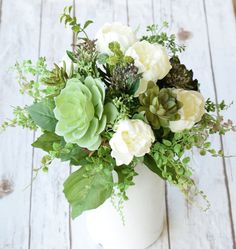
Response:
column 143, row 212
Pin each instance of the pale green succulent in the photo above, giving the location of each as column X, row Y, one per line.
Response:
column 81, row 114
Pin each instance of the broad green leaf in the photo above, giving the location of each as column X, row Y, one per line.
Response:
column 151, row 164
column 87, row 189
column 42, row 114
column 46, row 141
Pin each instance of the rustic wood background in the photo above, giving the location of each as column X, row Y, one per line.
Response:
column 37, row 216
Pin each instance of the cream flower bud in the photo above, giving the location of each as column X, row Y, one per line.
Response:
column 191, row 111
column 114, row 32
column 132, row 138
column 151, row 60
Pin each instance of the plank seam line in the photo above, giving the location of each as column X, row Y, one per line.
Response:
column 153, row 14
column 70, row 169
column 127, row 11
column 34, row 133
column 221, row 138
column 1, row 3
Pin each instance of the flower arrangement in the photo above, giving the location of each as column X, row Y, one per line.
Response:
column 115, row 101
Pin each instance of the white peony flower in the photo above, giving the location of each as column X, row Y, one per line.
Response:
column 191, row 111
column 114, row 32
column 132, row 138
column 151, row 60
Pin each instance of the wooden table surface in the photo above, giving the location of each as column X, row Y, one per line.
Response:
column 37, row 216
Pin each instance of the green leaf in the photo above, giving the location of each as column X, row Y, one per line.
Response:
column 177, row 149
column 125, row 173
column 134, row 86
column 76, row 28
column 87, row 189
column 151, row 164
column 166, row 142
column 42, row 114
column 87, row 23
column 46, row 141
column 102, row 58
column 71, row 56
column 77, row 156
column 186, row 160
column 115, row 48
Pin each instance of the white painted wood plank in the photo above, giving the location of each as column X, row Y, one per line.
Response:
column 142, row 13
column 49, row 208
column 189, row 227
column 100, row 11
column 19, row 39
column 222, row 36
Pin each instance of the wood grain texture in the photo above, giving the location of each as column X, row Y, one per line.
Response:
column 47, row 189
column 223, row 50
column 17, row 42
column 188, row 225
column 38, row 217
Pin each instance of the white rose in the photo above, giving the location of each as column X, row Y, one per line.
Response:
column 191, row 111
column 151, row 60
column 132, row 138
column 114, row 32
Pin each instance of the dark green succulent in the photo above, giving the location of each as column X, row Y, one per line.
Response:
column 159, row 105
column 179, row 77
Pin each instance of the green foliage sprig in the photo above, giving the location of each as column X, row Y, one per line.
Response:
column 37, row 71
column 162, row 38
column 22, row 119
column 76, row 27
column 127, row 106
column 84, row 57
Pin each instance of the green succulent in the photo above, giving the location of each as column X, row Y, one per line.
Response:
column 81, row 113
column 59, row 75
column 179, row 77
column 159, row 105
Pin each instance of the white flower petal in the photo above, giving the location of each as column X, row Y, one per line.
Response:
column 114, row 32
column 191, row 112
column 151, row 60
column 132, row 138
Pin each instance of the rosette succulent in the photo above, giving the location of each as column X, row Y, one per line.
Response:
column 159, row 106
column 80, row 112
column 179, row 77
